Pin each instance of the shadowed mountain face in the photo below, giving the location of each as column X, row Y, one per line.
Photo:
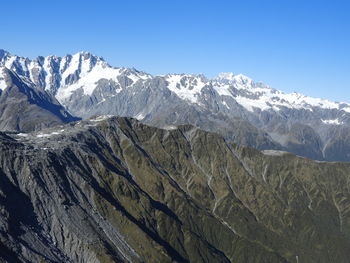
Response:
column 115, row 190
column 24, row 107
column 243, row 111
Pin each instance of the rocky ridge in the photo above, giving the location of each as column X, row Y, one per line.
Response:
column 115, row 190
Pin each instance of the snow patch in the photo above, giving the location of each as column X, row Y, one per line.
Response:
column 186, row 87
column 224, row 102
column 44, row 135
column 274, row 152
column 140, row 116
column 2, row 79
column 332, row 122
column 88, row 80
column 47, row 71
column 72, row 67
column 135, row 76
column 101, row 118
column 10, row 61
column 240, row 80
column 223, row 90
column 170, row 127
column 250, row 104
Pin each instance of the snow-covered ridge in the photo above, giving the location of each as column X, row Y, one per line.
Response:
column 229, row 77
column 101, row 118
column 63, row 76
column 187, row 87
column 247, row 93
column 268, row 99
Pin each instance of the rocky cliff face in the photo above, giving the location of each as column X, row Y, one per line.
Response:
column 25, row 107
column 115, row 190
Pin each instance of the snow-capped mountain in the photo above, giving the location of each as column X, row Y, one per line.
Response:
column 246, row 111
column 63, row 76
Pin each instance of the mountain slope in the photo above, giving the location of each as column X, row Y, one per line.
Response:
column 25, row 107
column 115, row 190
column 232, row 105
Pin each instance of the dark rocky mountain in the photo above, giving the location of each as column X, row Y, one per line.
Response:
column 244, row 111
column 24, row 107
column 116, row 190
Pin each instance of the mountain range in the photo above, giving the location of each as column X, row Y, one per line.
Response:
column 102, row 164
column 243, row 111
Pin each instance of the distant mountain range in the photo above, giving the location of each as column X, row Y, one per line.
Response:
column 243, row 111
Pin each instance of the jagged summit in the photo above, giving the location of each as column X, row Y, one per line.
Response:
column 3, row 53
column 230, row 77
column 52, row 72
column 84, row 70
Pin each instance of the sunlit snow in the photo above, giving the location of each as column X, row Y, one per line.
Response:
column 333, row 122
column 189, row 89
column 242, row 89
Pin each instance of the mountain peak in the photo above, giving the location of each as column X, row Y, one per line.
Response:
column 3, row 53
column 88, row 55
column 225, row 75
column 230, row 77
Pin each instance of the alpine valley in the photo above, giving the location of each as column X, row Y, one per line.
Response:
column 104, row 164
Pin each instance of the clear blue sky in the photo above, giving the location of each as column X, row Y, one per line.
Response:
column 292, row 45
